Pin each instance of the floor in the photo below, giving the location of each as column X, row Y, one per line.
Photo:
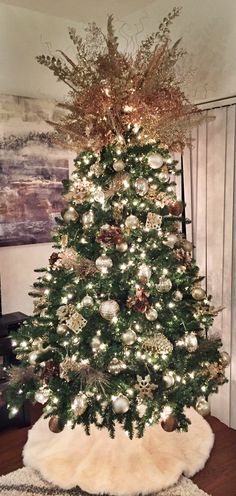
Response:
column 218, row 477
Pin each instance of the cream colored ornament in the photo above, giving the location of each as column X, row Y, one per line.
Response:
column 202, row 406
column 70, row 215
column 153, row 221
column 155, row 161
column 191, row 342
column 88, row 219
column 141, row 186
column 122, row 247
column 132, row 222
column 129, row 337
column 151, row 314
column 80, row 404
column 109, row 309
column 118, row 165
column 103, row 263
column 144, row 273
column 116, row 366
column 120, row 404
column 76, row 322
column 164, row 285
column 87, row 301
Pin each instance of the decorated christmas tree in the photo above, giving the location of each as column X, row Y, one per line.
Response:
column 120, row 331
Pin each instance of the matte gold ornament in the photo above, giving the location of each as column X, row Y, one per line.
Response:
column 171, row 240
column 88, row 219
column 116, row 366
column 96, row 344
column 109, row 309
column 153, row 221
column 169, row 380
column 202, row 406
column 122, row 247
column 155, row 161
column 198, row 293
column 224, row 358
column 129, row 337
column 118, row 165
column 54, row 424
column 132, row 222
column 170, row 424
column 62, row 329
column 76, row 322
column 158, row 344
column 151, row 314
column 191, row 342
column 87, row 301
column 120, row 404
column 187, row 245
column 144, row 273
column 144, row 387
column 141, row 186
column 70, row 215
column 164, row 285
column 103, row 263
column 80, row 404
column 177, row 296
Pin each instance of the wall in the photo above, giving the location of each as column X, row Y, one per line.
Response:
column 23, row 35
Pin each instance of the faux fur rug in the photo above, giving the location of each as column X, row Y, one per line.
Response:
column 27, row 482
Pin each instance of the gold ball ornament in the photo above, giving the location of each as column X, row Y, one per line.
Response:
column 170, row 424
column 120, row 404
column 141, row 186
column 88, row 219
column 177, row 296
column 109, row 309
column 202, row 406
column 80, row 404
column 118, row 165
column 62, row 329
column 164, row 285
column 132, row 222
column 129, row 337
column 155, row 161
column 70, row 215
column 144, row 273
column 87, row 301
column 198, row 293
column 151, row 314
column 122, row 247
column 54, row 424
column 224, row 358
column 103, row 263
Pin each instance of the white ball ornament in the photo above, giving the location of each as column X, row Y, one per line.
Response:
column 141, row 186
column 118, row 165
column 155, row 161
column 151, row 314
column 87, row 301
column 202, row 406
column 129, row 337
column 42, row 396
column 103, row 263
column 120, row 404
column 109, row 309
column 132, row 222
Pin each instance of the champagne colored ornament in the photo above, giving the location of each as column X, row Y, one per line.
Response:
column 103, row 263
column 141, row 186
column 151, row 314
column 80, row 404
column 109, row 309
column 116, row 366
column 132, row 222
column 202, row 406
column 144, row 273
column 54, row 424
column 198, row 293
column 163, row 176
column 96, row 344
column 191, row 342
column 62, row 329
column 170, row 424
column 118, row 165
column 70, row 215
column 176, row 208
column 120, row 404
column 87, row 301
column 224, row 358
column 158, row 344
column 122, row 247
column 171, row 240
column 155, row 161
column 88, row 219
column 177, row 296
column 187, row 245
column 169, row 379
column 164, row 285
column 129, row 337
column 153, row 221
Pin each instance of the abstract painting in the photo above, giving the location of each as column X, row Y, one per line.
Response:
column 31, row 170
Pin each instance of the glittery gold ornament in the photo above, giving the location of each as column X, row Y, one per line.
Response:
column 153, row 221
column 144, row 387
column 198, row 293
column 80, row 191
column 96, row 169
column 96, row 344
column 158, row 344
column 118, row 211
column 132, row 222
column 116, row 366
column 80, row 404
column 202, row 406
column 129, row 337
column 103, row 263
column 70, row 215
column 155, row 160
column 141, row 186
column 76, row 322
column 109, row 309
column 120, row 404
column 164, row 285
column 163, row 176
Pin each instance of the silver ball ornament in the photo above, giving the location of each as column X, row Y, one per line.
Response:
column 141, row 186
column 118, row 165
column 103, row 263
column 202, row 406
column 109, row 309
column 87, row 301
column 155, row 161
column 132, row 222
column 224, row 358
column 198, row 293
column 151, row 314
column 120, row 404
column 129, row 337
column 122, row 247
column 70, row 215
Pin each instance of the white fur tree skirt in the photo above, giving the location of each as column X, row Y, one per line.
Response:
column 121, row 467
